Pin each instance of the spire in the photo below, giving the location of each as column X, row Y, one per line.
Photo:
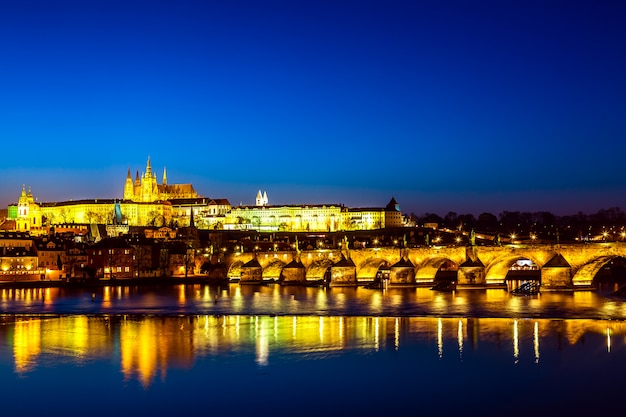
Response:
column 128, row 177
column 265, row 201
column 137, row 177
column 148, row 168
column 164, row 176
column 191, row 222
column 24, row 190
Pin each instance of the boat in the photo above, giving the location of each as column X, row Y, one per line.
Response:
column 527, row 288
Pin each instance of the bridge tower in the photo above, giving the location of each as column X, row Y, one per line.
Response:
column 556, row 274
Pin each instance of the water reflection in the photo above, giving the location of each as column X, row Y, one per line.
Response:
column 275, row 299
column 148, row 346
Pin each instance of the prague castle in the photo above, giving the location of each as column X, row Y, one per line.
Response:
column 145, row 202
column 147, row 190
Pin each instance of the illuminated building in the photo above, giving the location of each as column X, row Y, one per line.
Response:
column 28, row 218
column 310, row 218
column 19, row 263
column 111, row 258
column 51, row 256
column 208, row 213
column 146, row 190
column 145, row 202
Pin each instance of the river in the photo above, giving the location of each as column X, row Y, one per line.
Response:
column 304, row 351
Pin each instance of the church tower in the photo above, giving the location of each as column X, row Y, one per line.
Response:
column 29, row 217
column 129, row 191
column 261, row 199
column 149, row 189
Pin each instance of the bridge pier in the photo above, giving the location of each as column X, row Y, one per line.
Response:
column 402, row 274
column 293, row 273
column 343, row 273
column 251, row 272
column 471, row 275
column 556, row 274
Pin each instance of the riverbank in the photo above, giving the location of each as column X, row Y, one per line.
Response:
column 89, row 283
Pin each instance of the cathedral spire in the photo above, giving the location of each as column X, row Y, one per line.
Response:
column 148, row 168
column 164, row 176
column 128, row 177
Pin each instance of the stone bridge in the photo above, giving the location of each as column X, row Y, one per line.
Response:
column 562, row 267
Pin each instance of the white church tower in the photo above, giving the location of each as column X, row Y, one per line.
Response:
column 261, row 199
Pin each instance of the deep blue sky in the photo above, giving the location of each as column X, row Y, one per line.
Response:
column 465, row 106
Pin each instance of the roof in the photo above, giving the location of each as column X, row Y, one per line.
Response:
column 470, row 263
column 111, row 242
column 176, row 188
column 403, row 263
column 277, row 206
column 557, row 261
column 344, row 262
column 392, row 205
column 199, row 201
column 8, row 225
column 252, row 263
column 295, row 264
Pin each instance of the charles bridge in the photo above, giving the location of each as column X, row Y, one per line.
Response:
column 561, row 267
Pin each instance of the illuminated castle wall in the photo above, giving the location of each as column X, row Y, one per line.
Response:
column 103, row 211
column 147, row 203
column 310, row 218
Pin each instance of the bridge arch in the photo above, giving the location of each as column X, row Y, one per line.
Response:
column 497, row 270
column 368, row 269
column 585, row 275
column 272, row 269
column 427, row 269
column 234, row 271
column 318, row 269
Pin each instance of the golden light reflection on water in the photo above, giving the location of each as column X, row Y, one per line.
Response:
column 515, row 341
column 459, row 335
column 147, row 346
column 439, row 338
column 26, row 344
column 536, row 341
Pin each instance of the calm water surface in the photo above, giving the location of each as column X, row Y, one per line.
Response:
column 235, row 299
column 308, row 351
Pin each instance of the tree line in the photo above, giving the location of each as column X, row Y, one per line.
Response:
column 607, row 223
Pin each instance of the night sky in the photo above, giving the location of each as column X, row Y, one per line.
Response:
column 465, row 106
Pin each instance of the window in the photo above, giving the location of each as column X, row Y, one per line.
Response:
column 127, row 269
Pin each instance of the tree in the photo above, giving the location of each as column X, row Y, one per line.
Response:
column 451, row 221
